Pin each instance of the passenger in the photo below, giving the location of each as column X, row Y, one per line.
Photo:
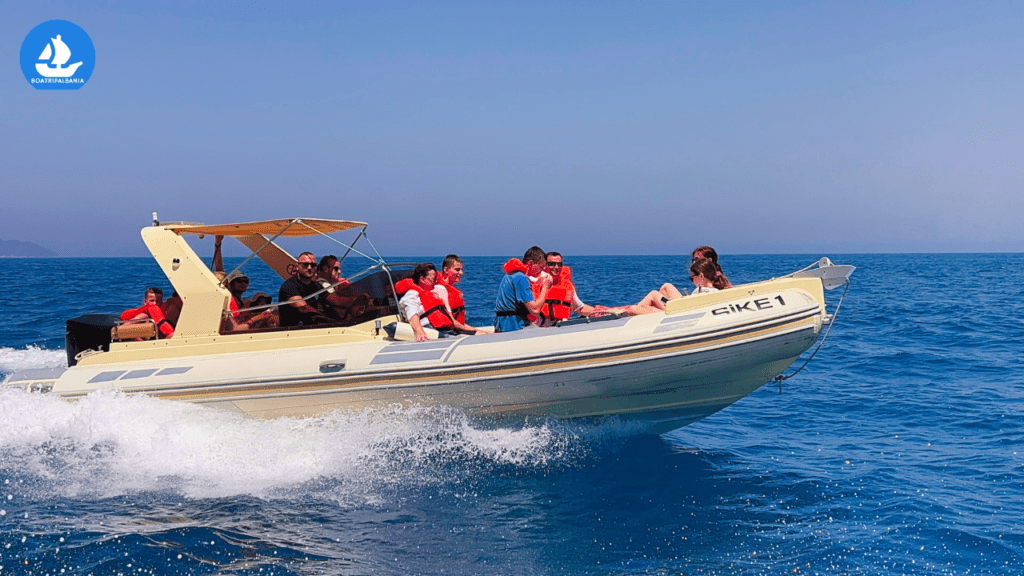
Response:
column 260, row 317
column 452, row 270
column 150, row 310
column 240, row 319
column 668, row 291
column 237, row 286
column 561, row 300
column 708, row 252
column 295, row 309
column 340, row 301
column 516, row 301
column 707, row 277
column 218, row 258
column 425, row 306
column 172, row 309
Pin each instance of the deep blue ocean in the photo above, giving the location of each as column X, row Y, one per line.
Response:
column 898, row 450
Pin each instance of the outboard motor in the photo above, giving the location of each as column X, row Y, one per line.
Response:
column 89, row 332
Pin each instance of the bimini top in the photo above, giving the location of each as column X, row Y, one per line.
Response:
column 285, row 227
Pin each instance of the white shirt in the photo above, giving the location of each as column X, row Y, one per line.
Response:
column 412, row 306
column 703, row 290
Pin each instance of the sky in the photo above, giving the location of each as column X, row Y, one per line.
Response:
column 484, row 128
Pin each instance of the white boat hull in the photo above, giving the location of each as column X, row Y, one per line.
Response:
column 703, row 354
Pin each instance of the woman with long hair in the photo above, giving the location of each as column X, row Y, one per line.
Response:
column 707, row 277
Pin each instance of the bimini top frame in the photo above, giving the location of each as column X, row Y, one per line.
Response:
column 202, row 290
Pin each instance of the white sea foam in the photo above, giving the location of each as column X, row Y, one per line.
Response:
column 14, row 359
column 109, row 444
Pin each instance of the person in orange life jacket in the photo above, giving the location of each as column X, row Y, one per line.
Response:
column 516, row 300
column 425, row 306
column 562, row 299
column 238, row 319
column 237, row 284
column 151, row 310
column 452, row 270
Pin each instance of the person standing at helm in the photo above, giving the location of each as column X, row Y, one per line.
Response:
column 561, row 300
column 516, row 301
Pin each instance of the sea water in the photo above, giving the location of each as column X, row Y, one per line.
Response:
column 898, row 449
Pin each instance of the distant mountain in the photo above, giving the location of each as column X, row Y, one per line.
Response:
column 19, row 249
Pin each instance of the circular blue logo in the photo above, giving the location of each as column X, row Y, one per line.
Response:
column 57, row 55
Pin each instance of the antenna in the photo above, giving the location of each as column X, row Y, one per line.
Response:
column 156, row 221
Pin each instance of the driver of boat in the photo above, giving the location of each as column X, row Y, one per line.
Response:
column 516, row 301
column 340, row 300
column 295, row 291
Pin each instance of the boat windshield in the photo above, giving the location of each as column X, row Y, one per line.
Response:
column 364, row 294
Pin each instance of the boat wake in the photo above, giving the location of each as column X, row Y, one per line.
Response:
column 14, row 359
column 109, row 444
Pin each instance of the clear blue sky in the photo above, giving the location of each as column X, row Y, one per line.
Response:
column 588, row 128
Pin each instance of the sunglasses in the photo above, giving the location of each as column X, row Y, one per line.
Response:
column 555, row 264
column 307, row 264
column 338, row 268
column 240, row 280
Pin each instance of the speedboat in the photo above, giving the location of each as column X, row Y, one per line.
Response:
column 700, row 355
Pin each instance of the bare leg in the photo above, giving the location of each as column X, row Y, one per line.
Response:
column 669, row 291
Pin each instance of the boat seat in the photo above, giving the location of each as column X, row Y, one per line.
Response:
column 134, row 330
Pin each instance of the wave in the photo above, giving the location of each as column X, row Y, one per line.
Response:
column 109, row 444
column 14, row 359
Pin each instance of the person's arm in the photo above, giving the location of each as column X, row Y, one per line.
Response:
column 301, row 305
column 289, row 293
column 218, row 260
column 417, row 328
column 579, row 307
column 536, row 305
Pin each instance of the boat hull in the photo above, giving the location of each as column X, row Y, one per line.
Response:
column 670, row 368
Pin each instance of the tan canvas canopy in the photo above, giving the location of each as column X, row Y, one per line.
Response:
column 292, row 227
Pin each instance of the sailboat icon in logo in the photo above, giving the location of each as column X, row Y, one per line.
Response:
column 61, row 53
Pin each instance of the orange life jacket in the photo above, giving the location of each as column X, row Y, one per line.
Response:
column 511, row 267
column 455, row 301
column 434, row 309
column 558, row 302
column 155, row 314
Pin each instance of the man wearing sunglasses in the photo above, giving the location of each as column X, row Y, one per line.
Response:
column 561, row 300
column 295, row 290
